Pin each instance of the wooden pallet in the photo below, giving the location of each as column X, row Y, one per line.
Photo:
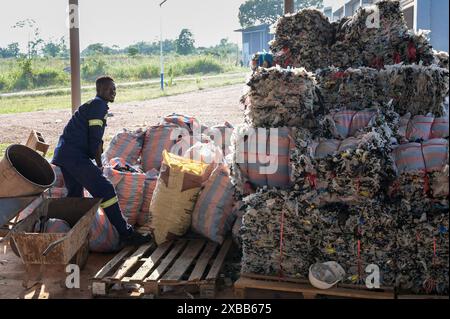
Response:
column 181, row 263
column 302, row 288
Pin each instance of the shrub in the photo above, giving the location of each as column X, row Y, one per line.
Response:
column 93, row 68
column 202, row 65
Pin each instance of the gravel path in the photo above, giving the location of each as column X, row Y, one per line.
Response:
column 210, row 107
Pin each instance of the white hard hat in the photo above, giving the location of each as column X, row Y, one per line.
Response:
column 325, row 275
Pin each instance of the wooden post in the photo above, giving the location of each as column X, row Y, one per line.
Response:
column 288, row 6
column 75, row 54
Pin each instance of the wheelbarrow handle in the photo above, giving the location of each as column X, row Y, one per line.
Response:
column 53, row 245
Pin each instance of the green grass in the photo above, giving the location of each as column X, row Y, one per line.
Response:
column 47, row 73
column 61, row 100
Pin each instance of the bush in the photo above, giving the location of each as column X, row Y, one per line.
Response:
column 202, row 65
column 3, row 83
column 93, row 68
column 49, row 77
column 147, row 71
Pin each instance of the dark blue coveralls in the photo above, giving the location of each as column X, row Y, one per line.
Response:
column 77, row 147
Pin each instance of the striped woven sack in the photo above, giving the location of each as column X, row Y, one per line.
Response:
column 221, row 135
column 429, row 156
column 159, row 138
column 57, row 192
column 59, row 182
column 188, row 122
column 348, row 123
column 129, row 188
column 56, row 226
column 213, row 213
column 127, row 145
column 149, row 187
column 423, row 128
column 263, row 163
column 103, row 236
column 281, row 177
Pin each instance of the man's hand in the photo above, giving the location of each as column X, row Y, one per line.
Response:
column 98, row 156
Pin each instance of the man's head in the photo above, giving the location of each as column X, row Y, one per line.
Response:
column 106, row 88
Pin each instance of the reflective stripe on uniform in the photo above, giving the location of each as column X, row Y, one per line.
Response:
column 109, row 202
column 95, row 122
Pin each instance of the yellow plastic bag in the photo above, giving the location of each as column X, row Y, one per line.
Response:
column 175, row 195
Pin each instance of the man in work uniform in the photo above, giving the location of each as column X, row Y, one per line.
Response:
column 80, row 143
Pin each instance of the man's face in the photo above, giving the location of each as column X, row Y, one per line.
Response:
column 108, row 92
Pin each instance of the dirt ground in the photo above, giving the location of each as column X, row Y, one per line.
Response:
column 210, row 107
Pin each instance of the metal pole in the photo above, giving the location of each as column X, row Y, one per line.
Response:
column 161, row 45
column 74, row 54
column 288, row 6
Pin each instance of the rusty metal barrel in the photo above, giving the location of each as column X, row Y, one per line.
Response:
column 23, row 172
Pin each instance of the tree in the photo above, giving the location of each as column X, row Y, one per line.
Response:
column 185, row 42
column 255, row 12
column 51, row 49
column 132, row 51
column 12, row 51
column 35, row 42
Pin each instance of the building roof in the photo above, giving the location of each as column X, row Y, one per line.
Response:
column 260, row 27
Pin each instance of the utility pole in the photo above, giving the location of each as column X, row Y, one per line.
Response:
column 161, row 45
column 74, row 26
column 288, row 6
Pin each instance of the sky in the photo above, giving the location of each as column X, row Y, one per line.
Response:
column 123, row 22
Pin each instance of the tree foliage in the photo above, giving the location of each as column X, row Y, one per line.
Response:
column 254, row 12
column 185, row 42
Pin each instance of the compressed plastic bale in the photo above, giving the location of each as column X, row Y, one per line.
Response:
column 126, row 145
column 297, row 42
column 175, row 195
column 157, row 139
column 213, row 213
column 54, row 225
column 279, row 97
column 103, row 236
column 422, row 128
column 129, row 185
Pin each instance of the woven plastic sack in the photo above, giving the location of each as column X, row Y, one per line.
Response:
column 149, row 187
column 103, row 236
column 175, row 195
column 126, row 145
column 188, row 122
column 346, row 123
column 157, row 139
column 423, row 128
column 429, row 156
column 55, row 226
column 59, row 182
column 213, row 213
column 129, row 188
column 30, row 208
column 221, row 135
column 57, row 192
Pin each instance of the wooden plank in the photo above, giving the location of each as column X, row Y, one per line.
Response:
column 186, row 259
column 247, row 283
column 130, row 262
column 167, row 261
column 150, row 262
column 202, row 262
column 113, row 262
column 217, row 265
